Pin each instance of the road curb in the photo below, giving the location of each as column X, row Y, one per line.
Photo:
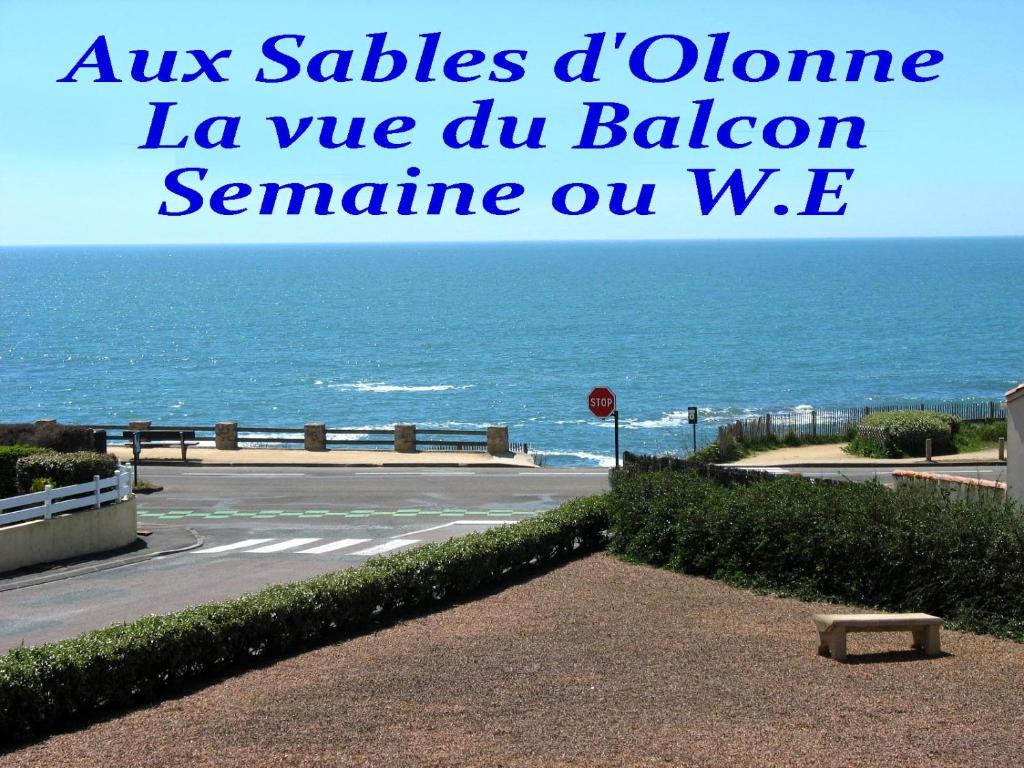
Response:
column 106, row 566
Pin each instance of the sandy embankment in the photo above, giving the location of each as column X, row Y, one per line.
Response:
column 597, row 663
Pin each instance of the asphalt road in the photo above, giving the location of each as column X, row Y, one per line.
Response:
column 270, row 526
column 341, row 488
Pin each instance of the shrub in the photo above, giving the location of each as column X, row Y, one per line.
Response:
column 45, row 687
column 65, row 438
column 9, row 456
column 64, row 468
column 40, row 483
column 913, row 549
column 974, row 436
column 894, row 434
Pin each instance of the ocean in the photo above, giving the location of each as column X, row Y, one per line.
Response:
column 464, row 335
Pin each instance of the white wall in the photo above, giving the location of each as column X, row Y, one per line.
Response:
column 1015, row 444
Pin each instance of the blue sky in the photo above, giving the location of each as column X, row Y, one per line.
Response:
column 942, row 158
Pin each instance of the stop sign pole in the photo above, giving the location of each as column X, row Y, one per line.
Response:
column 601, row 402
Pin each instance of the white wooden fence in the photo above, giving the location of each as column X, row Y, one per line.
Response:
column 52, row 501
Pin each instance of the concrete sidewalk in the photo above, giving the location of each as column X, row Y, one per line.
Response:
column 154, row 540
column 211, row 457
column 832, row 454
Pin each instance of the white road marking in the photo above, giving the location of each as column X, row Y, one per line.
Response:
column 387, row 546
column 460, row 522
column 281, row 546
column 238, row 474
column 229, row 547
column 563, row 474
column 414, row 474
column 331, row 546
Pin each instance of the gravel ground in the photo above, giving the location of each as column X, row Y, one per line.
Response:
column 596, row 663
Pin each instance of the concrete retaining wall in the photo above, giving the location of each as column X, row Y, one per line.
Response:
column 960, row 487
column 69, row 535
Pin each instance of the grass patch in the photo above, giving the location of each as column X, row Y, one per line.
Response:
column 977, row 436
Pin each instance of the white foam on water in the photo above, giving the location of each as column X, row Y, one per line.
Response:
column 452, row 425
column 598, row 459
column 381, row 387
column 670, row 420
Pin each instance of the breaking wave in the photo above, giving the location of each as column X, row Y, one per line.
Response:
column 595, row 459
column 382, row 387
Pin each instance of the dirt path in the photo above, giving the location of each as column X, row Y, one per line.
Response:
column 832, row 453
column 597, row 663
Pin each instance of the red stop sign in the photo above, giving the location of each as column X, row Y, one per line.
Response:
column 601, row 402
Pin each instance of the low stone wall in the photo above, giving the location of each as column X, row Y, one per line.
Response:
column 961, row 487
column 73, row 534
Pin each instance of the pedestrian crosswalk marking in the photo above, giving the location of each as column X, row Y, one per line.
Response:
column 229, row 547
column 281, row 546
column 387, row 546
column 332, row 546
column 301, row 547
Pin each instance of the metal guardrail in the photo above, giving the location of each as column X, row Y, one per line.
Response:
column 53, row 501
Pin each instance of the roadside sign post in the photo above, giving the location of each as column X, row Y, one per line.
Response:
column 615, row 413
column 601, row 402
column 136, row 450
column 691, row 416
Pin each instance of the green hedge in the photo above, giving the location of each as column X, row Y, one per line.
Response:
column 58, row 437
column 64, row 468
column 895, row 434
column 912, row 549
column 48, row 686
column 9, row 456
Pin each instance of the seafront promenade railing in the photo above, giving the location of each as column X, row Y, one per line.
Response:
column 839, row 422
column 404, row 438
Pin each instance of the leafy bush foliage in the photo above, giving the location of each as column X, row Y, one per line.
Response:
column 9, row 456
column 44, row 687
column 58, row 437
column 40, row 483
column 64, row 468
column 973, row 436
column 712, row 453
column 913, row 549
column 895, row 434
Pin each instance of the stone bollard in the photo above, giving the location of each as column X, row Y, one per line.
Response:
column 927, row 449
column 140, row 425
column 1002, row 449
column 497, row 440
column 315, row 437
column 225, row 435
column 405, row 438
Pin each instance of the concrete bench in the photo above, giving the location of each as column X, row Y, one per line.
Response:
column 832, row 629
